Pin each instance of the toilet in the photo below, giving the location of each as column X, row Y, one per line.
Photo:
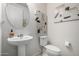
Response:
column 50, row 50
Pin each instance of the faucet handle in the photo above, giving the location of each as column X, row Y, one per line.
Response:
column 20, row 35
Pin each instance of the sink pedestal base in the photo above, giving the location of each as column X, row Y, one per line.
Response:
column 22, row 50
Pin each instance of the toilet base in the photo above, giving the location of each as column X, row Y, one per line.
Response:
column 47, row 52
column 50, row 53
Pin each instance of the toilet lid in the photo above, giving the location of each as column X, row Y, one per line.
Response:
column 53, row 48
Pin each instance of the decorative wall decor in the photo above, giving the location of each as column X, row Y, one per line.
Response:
column 69, row 13
column 67, row 8
column 41, row 22
column 56, row 15
column 67, row 17
column 77, row 14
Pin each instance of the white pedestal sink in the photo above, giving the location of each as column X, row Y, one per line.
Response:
column 21, row 42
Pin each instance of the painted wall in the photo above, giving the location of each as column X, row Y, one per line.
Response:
column 33, row 48
column 60, row 32
column 0, row 28
column 6, row 48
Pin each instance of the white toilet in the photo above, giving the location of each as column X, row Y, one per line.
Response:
column 50, row 50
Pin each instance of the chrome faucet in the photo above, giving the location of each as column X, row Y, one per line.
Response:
column 20, row 35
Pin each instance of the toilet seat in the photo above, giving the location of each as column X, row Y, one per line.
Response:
column 52, row 48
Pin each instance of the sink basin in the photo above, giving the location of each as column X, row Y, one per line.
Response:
column 20, row 40
column 21, row 43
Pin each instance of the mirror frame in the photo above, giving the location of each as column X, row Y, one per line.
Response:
column 20, row 4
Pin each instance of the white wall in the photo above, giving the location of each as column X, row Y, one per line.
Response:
column 0, row 29
column 58, row 33
column 7, row 49
column 33, row 48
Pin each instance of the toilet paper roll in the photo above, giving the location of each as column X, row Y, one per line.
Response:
column 67, row 43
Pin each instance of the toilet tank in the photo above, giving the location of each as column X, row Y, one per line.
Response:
column 43, row 40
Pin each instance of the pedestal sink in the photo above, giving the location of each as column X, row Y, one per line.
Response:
column 21, row 42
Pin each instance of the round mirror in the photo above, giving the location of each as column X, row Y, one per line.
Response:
column 17, row 14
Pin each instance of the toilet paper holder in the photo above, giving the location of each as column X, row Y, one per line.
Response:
column 67, row 43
